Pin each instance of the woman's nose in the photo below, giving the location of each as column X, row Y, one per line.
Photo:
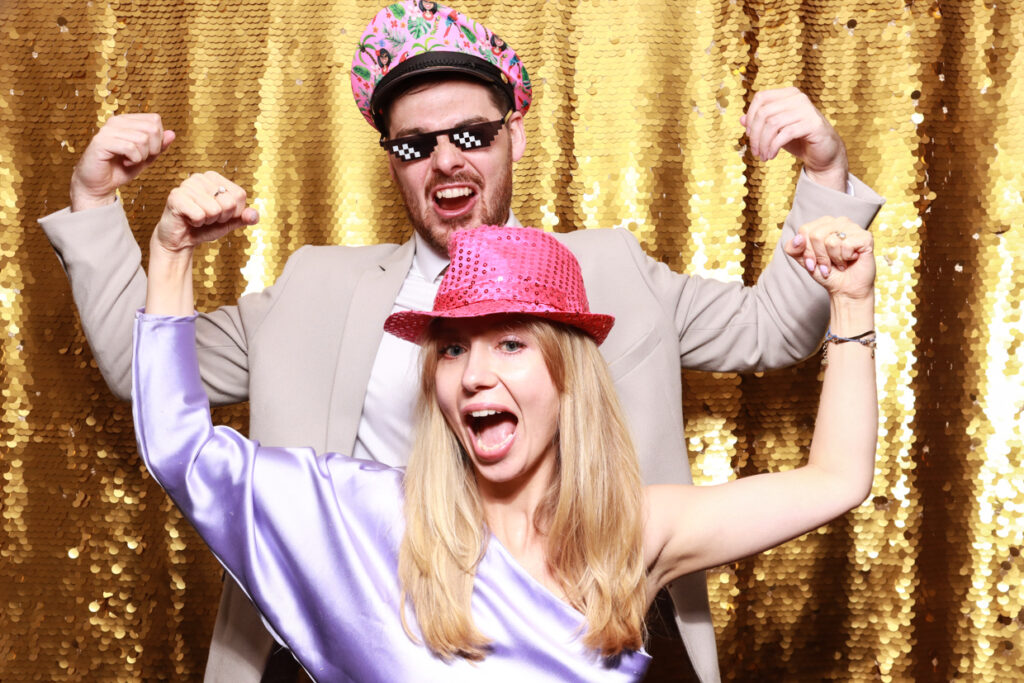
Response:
column 478, row 373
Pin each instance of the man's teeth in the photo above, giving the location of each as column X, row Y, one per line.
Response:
column 453, row 192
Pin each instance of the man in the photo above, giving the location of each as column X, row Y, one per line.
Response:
column 452, row 124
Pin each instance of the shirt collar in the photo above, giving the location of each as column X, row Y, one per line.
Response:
column 429, row 264
column 426, row 262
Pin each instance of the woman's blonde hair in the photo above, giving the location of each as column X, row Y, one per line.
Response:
column 592, row 515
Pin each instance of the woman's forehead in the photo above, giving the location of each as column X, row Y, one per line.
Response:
column 487, row 324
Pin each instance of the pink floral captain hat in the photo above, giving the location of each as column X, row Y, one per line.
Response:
column 507, row 270
column 412, row 38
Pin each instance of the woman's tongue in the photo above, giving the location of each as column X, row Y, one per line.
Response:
column 494, row 433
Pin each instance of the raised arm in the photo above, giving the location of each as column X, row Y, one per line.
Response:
column 99, row 253
column 271, row 515
column 293, row 529
column 691, row 528
column 781, row 319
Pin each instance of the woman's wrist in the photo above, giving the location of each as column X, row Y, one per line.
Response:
column 851, row 317
column 169, row 287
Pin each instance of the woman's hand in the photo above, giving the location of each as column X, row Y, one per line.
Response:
column 204, row 208
column 839, row 254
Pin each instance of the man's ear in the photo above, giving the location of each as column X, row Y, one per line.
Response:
column 517, row 131
column 391, row 167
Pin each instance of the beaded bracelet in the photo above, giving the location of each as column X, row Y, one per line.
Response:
column 864, row 339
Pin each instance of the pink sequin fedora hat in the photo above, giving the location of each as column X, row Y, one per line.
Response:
column 507, row 270
column 412, row 38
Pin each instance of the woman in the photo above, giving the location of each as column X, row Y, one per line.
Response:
column 519, row 543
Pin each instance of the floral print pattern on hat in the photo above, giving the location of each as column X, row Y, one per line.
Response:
column 403, row 30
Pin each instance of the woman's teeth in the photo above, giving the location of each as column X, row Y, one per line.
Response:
column 492, row 429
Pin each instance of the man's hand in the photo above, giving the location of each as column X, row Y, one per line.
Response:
column 786, row 119
column 839, row 255
column 124, row 147
column 204, row 208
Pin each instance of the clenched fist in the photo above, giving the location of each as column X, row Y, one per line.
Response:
column 124, row 147
column 204, row 208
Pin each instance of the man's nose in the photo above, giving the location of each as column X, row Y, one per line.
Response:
column 447, row 157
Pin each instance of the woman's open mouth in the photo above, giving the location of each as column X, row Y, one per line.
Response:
column 493, row 432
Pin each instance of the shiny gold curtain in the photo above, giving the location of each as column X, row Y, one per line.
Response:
column 635, row 124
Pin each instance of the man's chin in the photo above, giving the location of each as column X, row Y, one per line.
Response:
column 436, row 236
column 469, row 220
column 437, row 229
column 438, row 233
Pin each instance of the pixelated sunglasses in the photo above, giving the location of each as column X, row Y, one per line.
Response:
column 468, row 137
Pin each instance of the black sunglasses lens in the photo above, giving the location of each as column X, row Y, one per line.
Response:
column 475, row 136
column 412, row 147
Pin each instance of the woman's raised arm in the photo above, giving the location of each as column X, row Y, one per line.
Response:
column 696, row 527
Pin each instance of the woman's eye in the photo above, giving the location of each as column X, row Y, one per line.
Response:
column 511, row 345
column 451, row 350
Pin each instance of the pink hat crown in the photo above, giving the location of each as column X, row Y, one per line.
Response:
column 512, row 271
column 416, row 37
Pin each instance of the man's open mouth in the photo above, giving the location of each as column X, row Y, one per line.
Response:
column 453, row 199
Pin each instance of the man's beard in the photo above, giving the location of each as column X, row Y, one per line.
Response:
column 494, row 213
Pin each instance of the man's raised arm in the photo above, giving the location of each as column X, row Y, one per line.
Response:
column 782, row 319
column 96, row 247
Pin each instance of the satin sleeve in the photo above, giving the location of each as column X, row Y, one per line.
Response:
column 308, row 537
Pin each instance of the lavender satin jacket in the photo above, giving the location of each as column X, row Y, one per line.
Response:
column 313, row 540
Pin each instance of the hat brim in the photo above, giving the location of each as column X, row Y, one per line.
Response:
column 411, row 325
column 435, row 62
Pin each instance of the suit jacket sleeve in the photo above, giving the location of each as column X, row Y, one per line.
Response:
column 727, row 327
column 104, row 264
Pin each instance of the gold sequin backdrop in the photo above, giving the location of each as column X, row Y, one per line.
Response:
column 635, row 124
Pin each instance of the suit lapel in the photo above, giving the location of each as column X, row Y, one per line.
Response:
column 372, row 301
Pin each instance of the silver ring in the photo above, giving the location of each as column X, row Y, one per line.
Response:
column 220, row 190
column 840, row 235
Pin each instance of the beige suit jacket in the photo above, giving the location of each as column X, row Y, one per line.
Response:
column 301, row 352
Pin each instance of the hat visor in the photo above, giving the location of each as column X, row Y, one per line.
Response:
column 434, row 62
column 411, row 325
